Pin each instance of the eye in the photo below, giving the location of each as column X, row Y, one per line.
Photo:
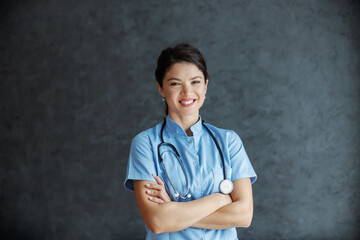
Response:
column 196, row 82
column 174, row 84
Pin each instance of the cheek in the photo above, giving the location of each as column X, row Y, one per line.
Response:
column 171, row 94
column 202, row 97
column 202, row 92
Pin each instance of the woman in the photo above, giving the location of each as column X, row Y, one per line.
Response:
column 183, row 197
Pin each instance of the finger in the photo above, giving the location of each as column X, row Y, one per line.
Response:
column 164, row 196
column 155, row 200
column 158, row 179
column 153, row 186
column 152, row 193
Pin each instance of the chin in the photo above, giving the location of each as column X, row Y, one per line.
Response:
column 190, row 113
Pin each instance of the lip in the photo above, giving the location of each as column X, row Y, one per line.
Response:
column 186, row 100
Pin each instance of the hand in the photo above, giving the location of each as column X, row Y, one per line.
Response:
column 157, row 192
column 228, row 198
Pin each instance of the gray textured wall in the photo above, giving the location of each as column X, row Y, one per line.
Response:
column 77, row 83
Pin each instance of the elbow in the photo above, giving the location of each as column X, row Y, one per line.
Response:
column 155, row 230
column 248, row 218
column 155, row 226
column 158, row 230
column 159, row 222
column 244, row 220
column 247, row 222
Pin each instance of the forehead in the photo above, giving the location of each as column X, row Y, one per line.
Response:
column 183, row 71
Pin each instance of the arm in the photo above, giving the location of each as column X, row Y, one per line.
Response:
column 237, row 214
column 175, row 216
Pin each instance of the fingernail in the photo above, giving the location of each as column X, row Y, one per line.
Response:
column 148, row 191
column 148, row 184
column 150, row 198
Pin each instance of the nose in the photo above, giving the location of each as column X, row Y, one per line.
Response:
column 187, row 88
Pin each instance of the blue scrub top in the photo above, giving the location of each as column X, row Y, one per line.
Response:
column 202, row 163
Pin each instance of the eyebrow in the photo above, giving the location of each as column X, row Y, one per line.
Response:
column 179, row 79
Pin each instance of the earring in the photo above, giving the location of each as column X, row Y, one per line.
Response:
column 163, row 99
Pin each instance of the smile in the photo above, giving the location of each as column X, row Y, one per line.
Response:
column 188, row 102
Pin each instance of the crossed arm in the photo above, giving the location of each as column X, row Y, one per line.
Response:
column 215, row 211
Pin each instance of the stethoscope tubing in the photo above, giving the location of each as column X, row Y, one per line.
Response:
column 218, row 147
column 163, row 143
column 183, row 196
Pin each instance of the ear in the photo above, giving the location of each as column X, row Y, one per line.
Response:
column 206, row 84
column 161, row 91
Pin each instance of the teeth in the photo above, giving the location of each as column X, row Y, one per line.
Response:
column 187, row 102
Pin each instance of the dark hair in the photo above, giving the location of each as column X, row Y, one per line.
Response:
column 180, row 53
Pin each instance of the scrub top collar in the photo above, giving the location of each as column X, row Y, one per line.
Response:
column 172, row 126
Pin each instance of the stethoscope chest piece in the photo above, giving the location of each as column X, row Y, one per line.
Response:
column 226, row 186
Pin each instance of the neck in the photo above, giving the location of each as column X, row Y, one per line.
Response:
column 185, row 122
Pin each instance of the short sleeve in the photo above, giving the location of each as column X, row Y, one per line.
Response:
column 240, row 163
column 141, row 162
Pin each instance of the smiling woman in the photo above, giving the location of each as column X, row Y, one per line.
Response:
column 184, row 88
column 191, row 180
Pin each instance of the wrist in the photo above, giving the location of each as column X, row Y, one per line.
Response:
column 225, row 199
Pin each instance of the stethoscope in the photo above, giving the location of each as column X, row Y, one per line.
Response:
column 226, row 186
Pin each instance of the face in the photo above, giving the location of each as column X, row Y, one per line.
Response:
column 184, row 90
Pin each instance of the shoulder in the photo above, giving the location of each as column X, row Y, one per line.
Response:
column 146, row 136
column 224, row 134
column 227, row 138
